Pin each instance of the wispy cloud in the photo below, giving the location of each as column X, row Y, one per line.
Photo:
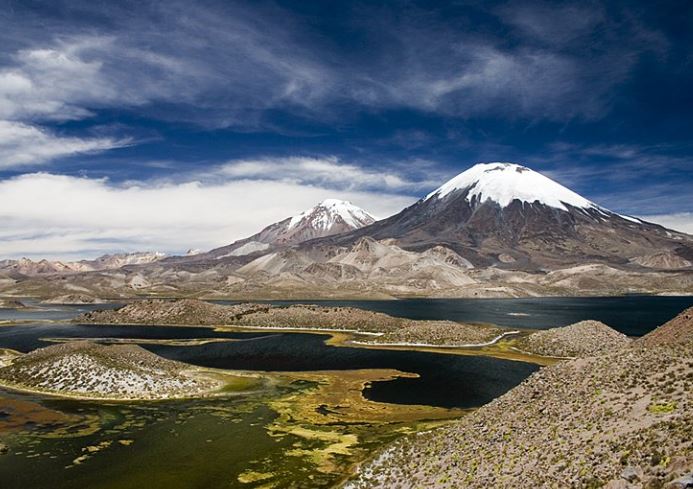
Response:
column 23, row 144
column 636, row 179
column 232, row 64
column 680, row 221
column 326, row 171
column 552, row 22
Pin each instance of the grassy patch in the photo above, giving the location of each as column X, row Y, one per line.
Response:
column 240, row 383
column 662, row 407
column 250, row 476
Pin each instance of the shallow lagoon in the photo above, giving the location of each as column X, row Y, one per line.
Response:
column 249, row 440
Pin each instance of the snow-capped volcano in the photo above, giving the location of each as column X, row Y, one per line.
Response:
column 329, row 217
column 505, row 214
column 330, row 214
column 504, row 183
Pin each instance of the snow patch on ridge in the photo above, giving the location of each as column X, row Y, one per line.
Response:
column 246, row 249
column 505, row 182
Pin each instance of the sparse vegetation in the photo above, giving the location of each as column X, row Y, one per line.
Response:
column 84, row 369
column 583, row 339
column 619, row 419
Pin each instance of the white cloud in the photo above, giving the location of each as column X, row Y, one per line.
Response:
column 325, row 171
column 61, row 216
column 54, row 83
column 679, row 221
column 23, row 144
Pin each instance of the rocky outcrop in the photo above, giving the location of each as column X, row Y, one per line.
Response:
column 583, row 339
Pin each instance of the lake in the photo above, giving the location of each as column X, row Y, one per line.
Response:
column 445, row 380
column 231, row 442
column 631, row 315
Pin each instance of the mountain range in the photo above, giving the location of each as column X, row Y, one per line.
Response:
column 28, row 267
column 497, row 229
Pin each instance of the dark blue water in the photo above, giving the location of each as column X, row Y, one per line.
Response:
column 445, row 380
column 37, row 311
column 631, row 315
column 27, row 337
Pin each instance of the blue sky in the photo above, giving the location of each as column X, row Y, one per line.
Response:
column 180, row 124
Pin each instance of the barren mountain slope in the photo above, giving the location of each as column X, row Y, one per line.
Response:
column 620, row 420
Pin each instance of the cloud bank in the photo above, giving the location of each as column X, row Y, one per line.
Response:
column 58, row 216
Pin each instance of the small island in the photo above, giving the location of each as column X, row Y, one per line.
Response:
column 88, row 370
column 378, row 328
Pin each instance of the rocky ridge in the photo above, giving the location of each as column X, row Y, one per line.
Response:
column 29, row 267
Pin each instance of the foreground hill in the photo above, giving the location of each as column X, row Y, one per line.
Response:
column 619, row 420
column 104, row 372
column 583, row 339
